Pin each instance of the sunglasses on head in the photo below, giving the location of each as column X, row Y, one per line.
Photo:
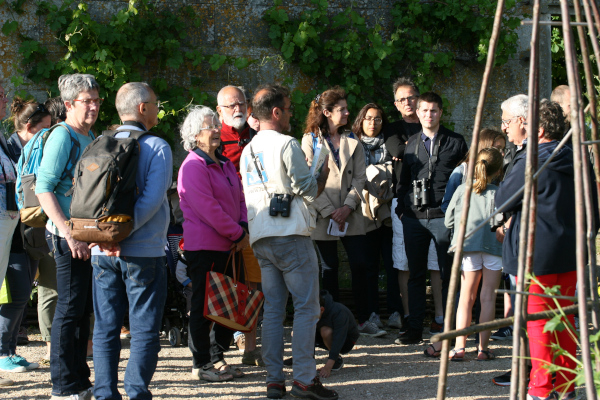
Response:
column 39, row 109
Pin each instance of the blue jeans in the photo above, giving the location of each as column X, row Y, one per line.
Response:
column 141, row 283
column 417, row 237
column 19, row 275
column 69, row 371
column 289, row 264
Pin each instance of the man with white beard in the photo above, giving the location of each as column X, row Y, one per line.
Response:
column 236, row 133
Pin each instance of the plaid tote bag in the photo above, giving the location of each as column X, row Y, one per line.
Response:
column 229, row 302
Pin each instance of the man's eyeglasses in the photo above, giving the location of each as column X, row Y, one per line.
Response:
column 158, row 103
column 4, row 96
column 39, row 109
column 506, row 122
column 240, row 104
column 88, row 102
column 376, row 120
column 406, row 99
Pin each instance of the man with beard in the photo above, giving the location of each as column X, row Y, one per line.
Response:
column 236, row 133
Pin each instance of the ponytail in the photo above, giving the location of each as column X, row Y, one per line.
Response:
column 489, row 162
column 480, row 183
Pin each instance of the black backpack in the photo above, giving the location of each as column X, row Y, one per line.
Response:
column 104, row 188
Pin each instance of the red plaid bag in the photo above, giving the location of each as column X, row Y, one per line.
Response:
column 229, row 302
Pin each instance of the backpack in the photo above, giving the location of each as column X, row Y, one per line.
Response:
column 104, row 188
column 27, row 168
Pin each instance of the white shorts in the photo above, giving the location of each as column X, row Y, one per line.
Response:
column 475, row 260
column 399, row 250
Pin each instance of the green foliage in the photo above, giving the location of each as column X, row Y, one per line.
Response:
column 139, row 42
column 364, row 58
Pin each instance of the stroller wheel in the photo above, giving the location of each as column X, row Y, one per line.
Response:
column 174, row 337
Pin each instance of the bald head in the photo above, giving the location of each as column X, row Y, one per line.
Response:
column 562, row 95
column 232, row 107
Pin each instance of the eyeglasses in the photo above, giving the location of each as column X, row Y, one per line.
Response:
column 290, row 109
column 88, row 102
column 341, row 109
column 4, row 96
column 158, row 103
column 406, row 99
column 376, row 120
column 39, row 109
column 240, row 104
column 211, row 128
column 506, row 122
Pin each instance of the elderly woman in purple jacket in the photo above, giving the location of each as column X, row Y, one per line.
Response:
column 214, row 210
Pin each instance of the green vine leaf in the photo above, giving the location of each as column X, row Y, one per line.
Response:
column 9, row 27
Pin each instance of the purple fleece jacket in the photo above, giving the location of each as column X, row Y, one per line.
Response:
column 212, row 202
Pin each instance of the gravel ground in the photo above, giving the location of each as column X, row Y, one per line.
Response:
column 375, row 369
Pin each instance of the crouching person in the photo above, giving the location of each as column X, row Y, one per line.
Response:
column 133, row 271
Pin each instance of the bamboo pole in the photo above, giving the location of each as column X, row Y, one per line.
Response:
column 596, row 151
column 501, row 323
column 455, row 272
column 518, row 387
column 577, row 122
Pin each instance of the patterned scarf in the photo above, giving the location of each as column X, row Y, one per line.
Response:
column 375, row 151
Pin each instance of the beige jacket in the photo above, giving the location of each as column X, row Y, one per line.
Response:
column 342, row 188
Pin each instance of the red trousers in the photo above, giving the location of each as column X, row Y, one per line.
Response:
column 540, row 343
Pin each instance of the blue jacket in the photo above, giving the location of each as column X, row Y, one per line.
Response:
column 554, row 250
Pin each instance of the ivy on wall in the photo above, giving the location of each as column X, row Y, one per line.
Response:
column 424, row 41
column 140, row 42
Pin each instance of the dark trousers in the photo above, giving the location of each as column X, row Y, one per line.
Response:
column 379, row 246
column 355, row 248
column 69, row 370
column 417, row 236
column 203, row 352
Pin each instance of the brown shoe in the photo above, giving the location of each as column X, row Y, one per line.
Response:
column 253, row 358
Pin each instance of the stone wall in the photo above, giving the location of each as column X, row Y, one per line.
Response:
column 235, row 27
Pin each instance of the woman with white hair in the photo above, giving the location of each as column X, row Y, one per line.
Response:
column 69, row 371
column 215, row 223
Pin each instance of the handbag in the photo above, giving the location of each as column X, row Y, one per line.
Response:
column 229, row 302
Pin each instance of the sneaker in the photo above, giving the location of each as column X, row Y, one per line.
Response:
column 315, row 390
column 253, row 358
column 374, row 318
column 411, row 336
column 22, row 361
column 125, row 334
column 66, row 397
column 339, row 363
column 370, row 329
column 395, row 321
column 436, row 328
column 87, row 394
column 275, row 391
column 505, row 333
column 9, row 364
column 6, row 382
column 22, row 339
column 504, row 379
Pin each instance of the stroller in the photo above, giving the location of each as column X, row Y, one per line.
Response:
column 175, row 319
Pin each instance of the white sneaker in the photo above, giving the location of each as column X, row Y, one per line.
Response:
column 395, row 321
column 370, row 329
column 374, row 319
